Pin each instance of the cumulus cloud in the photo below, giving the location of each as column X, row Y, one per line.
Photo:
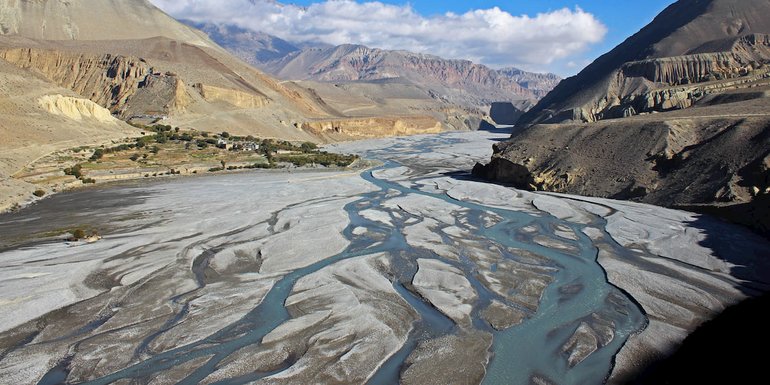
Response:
column 490, row 36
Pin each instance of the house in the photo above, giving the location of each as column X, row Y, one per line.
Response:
column 250, row 146
column 221, row 143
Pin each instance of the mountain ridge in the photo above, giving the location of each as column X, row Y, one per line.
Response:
column 460, row 80
column 605, row 90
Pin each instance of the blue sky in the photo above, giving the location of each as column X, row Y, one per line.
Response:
column 621, row 18
column 564, row 38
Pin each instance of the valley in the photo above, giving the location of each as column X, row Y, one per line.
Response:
column 364, row 192
column 222, row 279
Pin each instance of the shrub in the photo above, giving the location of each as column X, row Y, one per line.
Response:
column 308, row 147
column 75, row 171
column 225, row 134
column 98, row 154
column 78, row 234
column 88, row 180
column 162, row 128
column 39, row 193
column 134, row 157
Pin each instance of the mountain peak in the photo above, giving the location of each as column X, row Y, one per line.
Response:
column 603, row 89
column 74, row 20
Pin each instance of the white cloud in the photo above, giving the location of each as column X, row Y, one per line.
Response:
column 489, row 36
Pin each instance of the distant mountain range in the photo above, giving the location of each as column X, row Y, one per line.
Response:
column 460, row 81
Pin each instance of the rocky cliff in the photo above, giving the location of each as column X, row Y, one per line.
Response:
column 694, row 45
column 236, row 98
column 366, row 128
column 107, row 79
column 76, row 108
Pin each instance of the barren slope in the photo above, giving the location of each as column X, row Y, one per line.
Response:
column 710, row 157
column 93, row 20
column 693, row 48
column 37, row 118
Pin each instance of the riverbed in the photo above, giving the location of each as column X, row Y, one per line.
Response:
column 412, row 272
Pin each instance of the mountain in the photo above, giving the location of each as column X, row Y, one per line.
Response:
column 93, row 20
column 347, row 63
column 73, row 72
column 675, row 116
column 692, row 48
column 136, row 61
column 539, row 83
column 459, row 82
column 252, row 47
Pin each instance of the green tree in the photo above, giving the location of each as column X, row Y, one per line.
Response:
column 98, row 154
column 308, row 147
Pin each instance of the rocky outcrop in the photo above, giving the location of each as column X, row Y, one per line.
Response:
column 127, row 86
column 109, row 80
column 673, row 83
column 372, row 127
column 506, row 171
column 158, row 94
column 75, row 108
column 236, row 98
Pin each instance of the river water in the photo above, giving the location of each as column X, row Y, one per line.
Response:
column 577, row 292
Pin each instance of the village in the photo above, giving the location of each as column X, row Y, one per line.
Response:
column 163, row 150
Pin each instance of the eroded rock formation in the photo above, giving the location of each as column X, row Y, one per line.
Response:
column 358, row 128
column 694, row 48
